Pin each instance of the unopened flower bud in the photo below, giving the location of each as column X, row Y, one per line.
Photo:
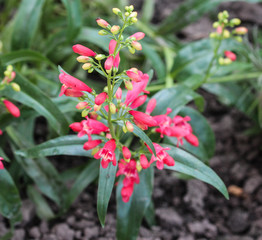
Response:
column 131, row 8
column 81, row 105
column 136, row 45
column 126, row 152
column 127, row 14
column 215, row 24
column 213, row 35
column 138, row 166
column 103, row 32
column 220, row 16
column 133, row 14
column 129, row 126
column 230, row 55
column 100, row 57
column 90, row 70
column 112, row 108
column 82, row 59
column 97, row 107
column 239, row 39
column 227, row 61
column 134, row 20
column 221, row 61
column 226, row 33
column 235, row 21
column 15, row 87
column 116, row 11
column 241, row 30
column 119, row 94
column 131, row 50
column 115, row 29
column 87, row 66
column 95, row 150
column 102, row 23
column 9, row 68
column 124, row 128
column 128, row 85
column 84, row 112
column 106, row 89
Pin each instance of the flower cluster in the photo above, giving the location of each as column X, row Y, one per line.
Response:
column 222, row 32
column 9, row 106
column 114, row 112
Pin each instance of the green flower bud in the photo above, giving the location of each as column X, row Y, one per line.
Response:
column 226, row 34
column 90, row 70
column 100, row 57
column 9, row 68
column 235, row 21
column 227, row 61
column 221, row 61
column 116, row 11
column 216, row 24
column 131, row 50
column 133, row 20
column 127, row 14
column 82, row 59
column 239, row 39
column 84, row 112
column 112, row 108
column 15, row 87
column 87, row 66
column 103, row 32
column 115, row 29
column 213, row 35
column 124, row 128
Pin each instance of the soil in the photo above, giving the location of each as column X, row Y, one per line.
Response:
column 185, row 210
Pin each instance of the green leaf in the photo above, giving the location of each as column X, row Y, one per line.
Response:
column 86, row 176
column 188, row 164
column 105, row 187
column 147, row 10
column 42, row 208
column 70, row 145
column 130, row 214
column 26, row 23
column 138, row 132
column 33, row 97
column 74, row 18
column 155, row 60
column 175, row 98
column 10, row 201
column 25, row 55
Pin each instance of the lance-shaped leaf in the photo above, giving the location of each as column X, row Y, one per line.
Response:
column 105, row 187
column 34, row 98
column 175, row 98
column 10, row 201
column 74, row 18
column 26, row 23
column 130, row 214
column 188, row 164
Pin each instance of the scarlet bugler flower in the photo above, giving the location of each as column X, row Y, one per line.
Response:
column 232, row 56
column 91, row 144
column 129, row 170
column 140, row 100
column 70, row 82
column 100, row 98
column 83, row 51
column 162, row 157
column 143, row 120
column 13, row 109
column 107, row 153
column 151, row 106
column 1, row 164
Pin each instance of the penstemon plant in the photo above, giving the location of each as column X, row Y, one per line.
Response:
column 124, row 134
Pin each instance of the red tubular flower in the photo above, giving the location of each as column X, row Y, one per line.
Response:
column 192, row 139
column 71, row 82
column 134, row 74
column 126, row 152
column 138, row 35
column 82, row 105
column 136, row 45
column 92, row 144
column 9, row 79
column 1, row 132
column 73, row 93
column 109, row 63
column 143, row 120
column 1, row 164
column 230, row 55
column 140, row 100
column 76, row 126
column 151, row 106
column 83, row 51
column 131, row 177
column 116, row 59
column 13, row 109
column 162, row 157
column 100, row 98
column 119, row 93
column 107, row 153
column 102, row 23
column 144, row 162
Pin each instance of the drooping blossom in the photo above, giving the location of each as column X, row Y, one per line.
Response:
column 73, row 93
column 129, row 170
column 162, row 157
column 144, row 162
column 119, row 94
column 11, row 108
column 151, row 106
column 1, row 164
column 232, row 56
column 89, row 127
column 100, row 98
column 143, row 120
column 1, row 132
column 107, row 153
column 112, row 61
column 126, row 153
column 70, row 82
column 136, row 75
column 102, row 23
column 138, row 36
column 140, row 100
column 92, row 144
column 83, row 51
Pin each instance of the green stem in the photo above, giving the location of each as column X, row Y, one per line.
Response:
column 110, row 125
